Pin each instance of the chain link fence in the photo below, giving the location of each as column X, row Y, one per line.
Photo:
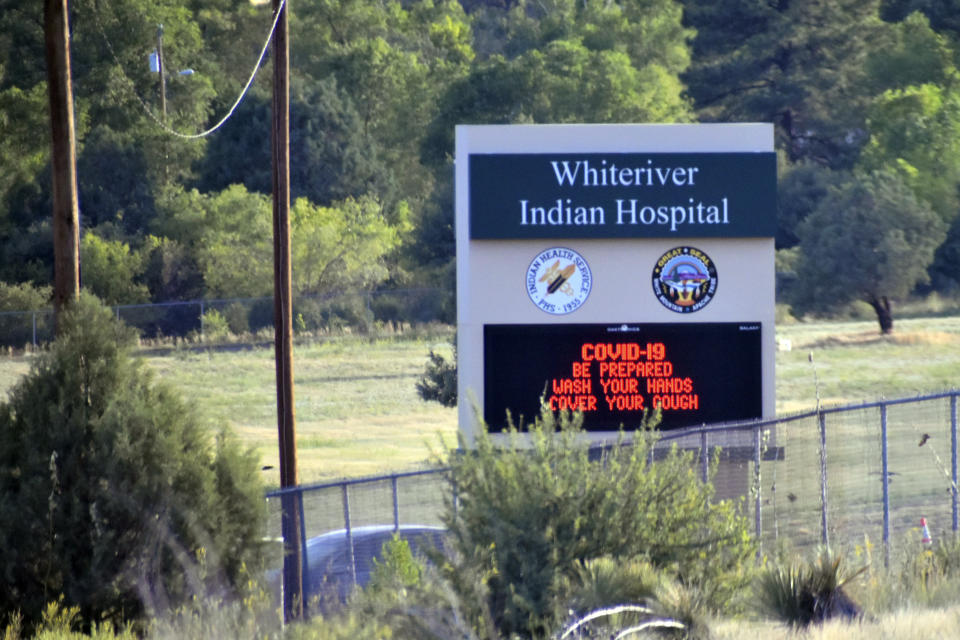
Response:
column 853, row 476
column 211, row 319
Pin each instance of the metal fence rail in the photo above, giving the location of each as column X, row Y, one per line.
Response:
column 242, row 315
column 855, row 476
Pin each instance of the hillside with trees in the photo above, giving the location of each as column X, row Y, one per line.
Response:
column 864, row 97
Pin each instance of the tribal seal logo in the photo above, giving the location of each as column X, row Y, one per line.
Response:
column 684, row 279
column 559, row 280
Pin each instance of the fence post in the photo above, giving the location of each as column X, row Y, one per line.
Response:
column 35, row 334
column 202, row 336
column 304, row 560
column 824, row 536
column 704, row 457
column 885, row 475
column 456, row 498
column 953, row 457
column 346, row 520
column 758, row 502
column 396, row 503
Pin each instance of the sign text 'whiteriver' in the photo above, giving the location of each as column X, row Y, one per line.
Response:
column 621, row 195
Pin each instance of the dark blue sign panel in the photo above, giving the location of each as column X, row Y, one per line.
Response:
column 622, row 195
column 696, row 373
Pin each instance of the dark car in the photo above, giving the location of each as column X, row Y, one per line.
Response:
column 331, row 573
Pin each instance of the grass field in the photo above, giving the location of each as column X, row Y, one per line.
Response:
column 853, row 362
column 909, row 624
column 358, row 412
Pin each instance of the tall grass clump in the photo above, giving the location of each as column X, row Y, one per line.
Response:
column 802, row 593
column 114, row 494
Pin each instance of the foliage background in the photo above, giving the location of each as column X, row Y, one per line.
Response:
column 852, row 87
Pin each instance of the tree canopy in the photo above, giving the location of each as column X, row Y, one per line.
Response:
column 378, row 87
column 799, row 65
column 870, row 240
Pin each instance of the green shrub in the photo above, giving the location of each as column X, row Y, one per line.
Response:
column 439, row 380
column 112, row 491
column 215, row 326
column 58, row 622
column 334, row 313
column 24, row 297
column 413, row 306
column 111, row 270
column 531, row 513
column 16, row 330
column 398, row 569
column 236, row 317
column 406, row 599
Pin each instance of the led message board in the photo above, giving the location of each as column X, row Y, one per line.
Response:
column 696, row 373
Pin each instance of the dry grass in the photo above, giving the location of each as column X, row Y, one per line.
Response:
column 910, row 624
column 863, row 339
column 853, row 362
column 12, row 369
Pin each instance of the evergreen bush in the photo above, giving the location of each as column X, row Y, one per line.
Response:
column 113, row 492
column 439, row 380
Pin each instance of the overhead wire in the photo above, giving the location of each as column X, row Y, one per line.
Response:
column 230, row 111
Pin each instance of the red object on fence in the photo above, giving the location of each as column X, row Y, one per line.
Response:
column 925, row 535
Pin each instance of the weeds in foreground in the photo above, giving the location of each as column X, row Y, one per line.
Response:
column 924, row 576
column 408, row 600
column 803, row 593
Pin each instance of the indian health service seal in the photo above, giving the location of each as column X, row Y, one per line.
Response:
column 559, row 280
column 684, row 279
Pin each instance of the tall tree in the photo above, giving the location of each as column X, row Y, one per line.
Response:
column 871, row 240
column 111, row 271
column 129, row 158
column 331, row 156
column 909, row 53
column 914, row 122
column 945, row 270
column 944, row 15
column 800, row 190
column 798, row 65
column 914, row 114
column 342, row 247
column 392, row 59
column 917, row 129
column 555, row 62
column 568, row 61
column 25, row 200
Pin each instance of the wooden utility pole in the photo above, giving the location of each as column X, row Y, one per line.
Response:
column 66, row 212
column 283, row 321
column 160, row 72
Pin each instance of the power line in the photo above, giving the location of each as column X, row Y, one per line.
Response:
column 233, row 108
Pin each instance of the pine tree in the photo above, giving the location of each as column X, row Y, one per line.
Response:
column 113, row 493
